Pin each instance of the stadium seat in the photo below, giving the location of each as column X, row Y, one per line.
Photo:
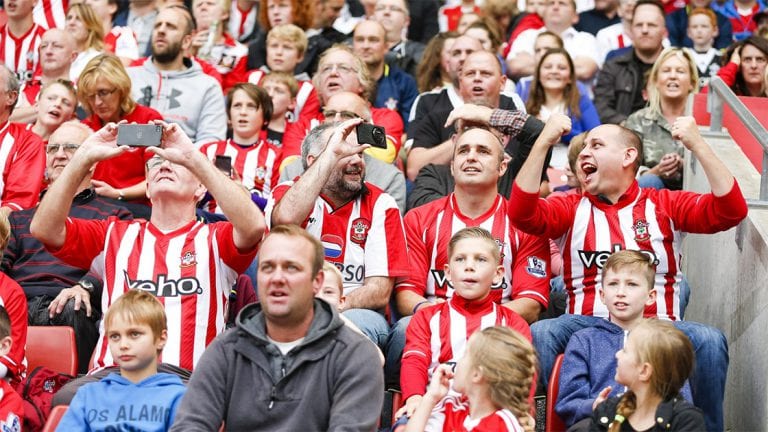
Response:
column 52, row 347
column 55, row 417
column 553, row 422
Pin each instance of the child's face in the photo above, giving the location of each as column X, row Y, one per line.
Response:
column 701, row 31
column 5, row 345
column 472, row 269
column 626, row 294
column 134, row 346
column 282, row 101
column 331, row 291
column 55, row 106
column 282, row 56
column 627, row 362
column 246, row 118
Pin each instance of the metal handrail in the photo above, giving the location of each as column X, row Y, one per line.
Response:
column 719, row 92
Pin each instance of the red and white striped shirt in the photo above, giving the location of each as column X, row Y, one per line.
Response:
column 191, row 270
column 439, row 334
column 51, row 13
column 14, row 301
column 255, row 164
column 428, row 230
column 363, row 237
column 21, row 54
column 242, row 22
column 588, row 230
column 121, row 41
column 22, row 158
column 453, row 413
column 307, row 103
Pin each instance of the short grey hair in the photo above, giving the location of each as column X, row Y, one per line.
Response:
column 11, row 80
column 315, row 141
column 11, row 84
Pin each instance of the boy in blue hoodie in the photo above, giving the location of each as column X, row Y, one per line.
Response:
column 139, row 398
column 589, row 366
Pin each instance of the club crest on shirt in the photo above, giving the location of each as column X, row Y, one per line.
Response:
column 359, row 231
column 261, row 174
column 536, row 267
column 641, row 230
column 391, row 103
column 188, row 259
column 11, row 423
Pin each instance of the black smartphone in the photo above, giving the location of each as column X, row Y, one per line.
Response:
column 224, row 163
column 136, row 135
column 371, row 134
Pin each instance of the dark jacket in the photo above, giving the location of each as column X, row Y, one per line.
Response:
column 406, row 55
column 675, row 415
column 618, row 92
column 396, row 90
column 677, row 26
column 331, row 381
column 589, row 366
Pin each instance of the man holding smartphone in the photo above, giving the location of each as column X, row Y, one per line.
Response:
column 359, row 224
column 189, row 265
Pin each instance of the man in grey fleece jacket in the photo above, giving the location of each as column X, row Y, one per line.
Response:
column 290, row 364
column 176, row 86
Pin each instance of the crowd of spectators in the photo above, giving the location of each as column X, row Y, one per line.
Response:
column 261, row 106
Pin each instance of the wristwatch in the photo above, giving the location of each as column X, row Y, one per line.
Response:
column 86, row 284
column 120, row 197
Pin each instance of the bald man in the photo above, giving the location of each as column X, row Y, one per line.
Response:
column 57, row 52
column 395, row 89
column 431, row 139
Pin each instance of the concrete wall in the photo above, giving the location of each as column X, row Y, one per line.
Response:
column 728, row 274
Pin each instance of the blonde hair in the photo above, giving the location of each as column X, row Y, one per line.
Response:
column 292, row 34
column 67, row 84
column 5, row 230
column 330, row 268
column 654, row 97
column 110, row 68
column 478, row 233
column 92, row 23
column 139, row 307
column 670, row 354
column 507, row 362
column 635, row 260
column 574, row 148
column 285, row 79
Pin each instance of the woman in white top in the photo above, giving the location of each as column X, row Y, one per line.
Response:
column 88, row 33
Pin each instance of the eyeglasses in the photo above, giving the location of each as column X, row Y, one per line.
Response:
column 347, row 115
column 101, row 94
column 391, row 8
column 154, row 162
column 340, row 68
column 54, row 148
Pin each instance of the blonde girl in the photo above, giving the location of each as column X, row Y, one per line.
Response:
column 655, row 362
column 494, row 379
